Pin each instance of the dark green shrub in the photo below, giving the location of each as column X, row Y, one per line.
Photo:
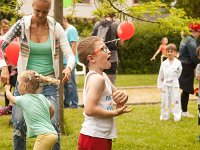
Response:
column 83, row 25
column 137, row 52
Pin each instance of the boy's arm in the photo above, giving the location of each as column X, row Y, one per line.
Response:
column 180, row 70
column 198, row 72
column 51, row 110
column 94, row 92
column 160, row 78
column 9, row 95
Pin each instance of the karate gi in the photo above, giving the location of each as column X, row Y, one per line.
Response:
column 167, row 81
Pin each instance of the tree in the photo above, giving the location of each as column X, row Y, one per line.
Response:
column 58, row 14
column 169, row 18
column 189, row 6
column 7, row 7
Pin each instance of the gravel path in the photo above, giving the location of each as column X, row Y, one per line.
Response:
column 137, row 95
column 140, row 95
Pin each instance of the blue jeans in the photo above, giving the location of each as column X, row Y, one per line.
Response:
column 70, row 92
column 19, row 133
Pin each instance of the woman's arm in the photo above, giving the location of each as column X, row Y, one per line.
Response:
column 65, row 47
column 67, row 51
column 192, row 46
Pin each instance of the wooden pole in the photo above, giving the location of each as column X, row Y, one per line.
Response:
column 58, row 15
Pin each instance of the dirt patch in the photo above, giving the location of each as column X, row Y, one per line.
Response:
column 139, row 95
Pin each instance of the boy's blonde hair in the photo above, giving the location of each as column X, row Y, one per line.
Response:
column 171, row 46
column 33, row 80
column 86, row 47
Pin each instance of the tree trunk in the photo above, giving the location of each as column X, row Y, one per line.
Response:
column 58, row 15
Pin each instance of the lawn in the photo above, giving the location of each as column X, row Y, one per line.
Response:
column 141, row 130
column 128, row 80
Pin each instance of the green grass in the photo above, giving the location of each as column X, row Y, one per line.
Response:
column 128, row 80
column 141, row 130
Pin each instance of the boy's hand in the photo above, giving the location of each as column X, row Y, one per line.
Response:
column 123, row 110
column 120, row 97
column 7, row 87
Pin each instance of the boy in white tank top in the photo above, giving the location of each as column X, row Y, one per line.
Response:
column 99, row 94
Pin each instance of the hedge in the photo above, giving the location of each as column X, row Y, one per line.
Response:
column 136, row 52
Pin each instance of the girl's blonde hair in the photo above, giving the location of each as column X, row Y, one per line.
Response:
column 33, row 80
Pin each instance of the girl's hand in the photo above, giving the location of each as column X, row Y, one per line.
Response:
column 120, row 97
column 7, row 87
column 153, row 58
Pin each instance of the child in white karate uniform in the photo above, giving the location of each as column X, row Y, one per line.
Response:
column 198, row 78
column 170, row 71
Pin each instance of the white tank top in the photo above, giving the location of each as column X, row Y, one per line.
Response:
column 100, row 127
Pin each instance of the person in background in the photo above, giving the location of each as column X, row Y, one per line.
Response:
column 113, row 46
column 41, row 39
column 99, row 127
column 162, row 49
column 37, row 109
column 5, row 26
column 70, row 87
column 170, row 71
column 189, row 60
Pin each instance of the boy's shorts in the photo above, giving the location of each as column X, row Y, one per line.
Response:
column 93, row 143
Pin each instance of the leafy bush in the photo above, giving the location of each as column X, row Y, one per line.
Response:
column 84, row 26
column 137, row 52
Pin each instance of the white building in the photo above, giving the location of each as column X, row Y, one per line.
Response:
column 83, row 9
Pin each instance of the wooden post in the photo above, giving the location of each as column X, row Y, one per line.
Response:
column 58, row 15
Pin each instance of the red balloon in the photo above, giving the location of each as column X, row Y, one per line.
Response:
column 12, row 52
column 125, row 30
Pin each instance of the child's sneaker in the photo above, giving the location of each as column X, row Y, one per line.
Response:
column 176, row 120
column 165, row 119
column 187, row 114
